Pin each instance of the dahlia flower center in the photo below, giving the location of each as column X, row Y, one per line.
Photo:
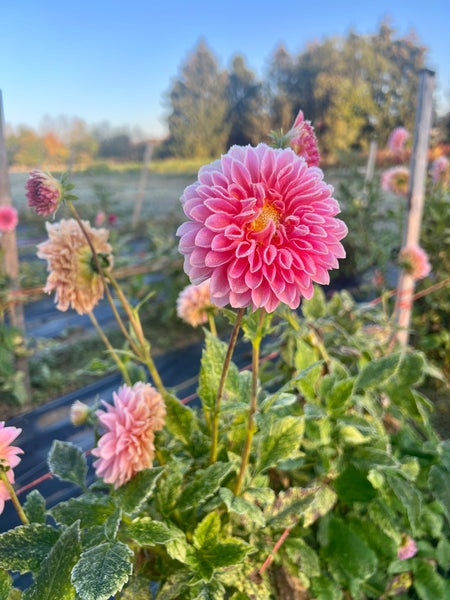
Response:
column 268, row 213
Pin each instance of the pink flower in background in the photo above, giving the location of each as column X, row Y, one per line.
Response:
column 407, row 549
column 395, row 180
column 193, row 304
column 112, row 218
column 262, row 227
column 303, row 141
column 100, row 217
column 44, row 192
column 397, row 140
column 440, row 169
column 127, row 446
column 414, row 260
column 8, row 457
column 70, row 264
column 8, row 218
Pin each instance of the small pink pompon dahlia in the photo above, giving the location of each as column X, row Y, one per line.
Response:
column 70, row 264
column 127, row 446
column 262, row 227
column 193, row 304
column 8, row 457
column 414, row 260
column 397, row 140
column 44, row 192
column 395, row 180
column 8, row 218
column 440, row 169
column 407, row 548
column 303, row 141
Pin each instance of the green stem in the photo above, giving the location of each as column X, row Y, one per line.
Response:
column 212, row 324
column 107, row 343
column 226, row 364
column 13, row 496
column 256, row 343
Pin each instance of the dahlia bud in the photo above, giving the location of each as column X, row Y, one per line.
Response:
column 303, row 141
column 79, row 413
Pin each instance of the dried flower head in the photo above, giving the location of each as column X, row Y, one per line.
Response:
column 127, row 446
column 414, row 260
column 395, row 180
column 8, row 457
column 8, row 218
column 72, row 271
column 440, row 170
column 44, row 192
column 397, row 140
column 303, row 141
column 407, row 548
column 193, row 304
column 262, row 227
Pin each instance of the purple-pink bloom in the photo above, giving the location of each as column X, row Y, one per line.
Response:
column 303, row 141
column 440, row 169
column 262, row 227
column 414, row 260
column 397, row 140
column 8, row 457
column 8, row 218
column 44, row 192
column 407, row 548
column 395, row 180
column 127, row 446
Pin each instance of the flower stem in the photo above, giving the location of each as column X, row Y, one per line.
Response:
column 256, row 343
column 13, row 496
column 107, row 343
column 212, row 324
column 226, row 364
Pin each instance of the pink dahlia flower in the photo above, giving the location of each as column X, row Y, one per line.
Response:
column 440, row 169
column 127, row 446
column 70, row 264
column 395, row 180
column 193, row 304
column 262, row 227
column 407, row 549
column 44, row 192
column 397, row 140
column 8, row 218
column 303, row 141
column 99, row 218
column 8, row 457
column 414, row 260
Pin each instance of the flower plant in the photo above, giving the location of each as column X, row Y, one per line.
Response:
column 315, row 474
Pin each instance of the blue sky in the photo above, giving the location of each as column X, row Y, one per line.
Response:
column 109, row 60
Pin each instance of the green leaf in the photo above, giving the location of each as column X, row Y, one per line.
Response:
column 67, row 462
column 102, row 571
column 132, row 495
column 377, row 372
column 427, row 583
column 34, row 507
column 323, row 501
column 146, row 532
column 439, row 484
column 212, row 590
column 206, row 533
column 112, row 524
column 338, row 398
column 90, row 510
column 444, row 448
column 180, row 420
column 303, row 555
column 24, row 548
column 408, row 495
column 206, row 482
column 53, row 579
column 325, row 589
column 353, row 486
column 443, row 553
column 5, row 584
column 315, row 308
column 242, row 506
column 289, row 506
column 280, row 441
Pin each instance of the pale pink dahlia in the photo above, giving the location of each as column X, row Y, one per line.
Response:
column 193, row 304
column 8, row 457
column 8, row 218
column 397, row 140
column 414, row 260
column 262, row 227
column 395, row 180
column 127, row 446
column 407, row 548
column 72, row 272
column 44, row 192
column 440, row 169
column 303, row 141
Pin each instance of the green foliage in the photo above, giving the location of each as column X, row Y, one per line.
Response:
column 67, row 462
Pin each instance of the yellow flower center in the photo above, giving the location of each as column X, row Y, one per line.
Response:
column 268, row 213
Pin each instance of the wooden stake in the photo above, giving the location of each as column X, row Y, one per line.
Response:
column 371, row 160
column 416, row 190
column 141, row 190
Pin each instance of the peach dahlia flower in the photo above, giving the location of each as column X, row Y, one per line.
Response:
column 395, row 180
column 193, row 304
column 70, row 264
column 414, row 260
column 8, row 457
column 127, row 446
column 262, row 227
